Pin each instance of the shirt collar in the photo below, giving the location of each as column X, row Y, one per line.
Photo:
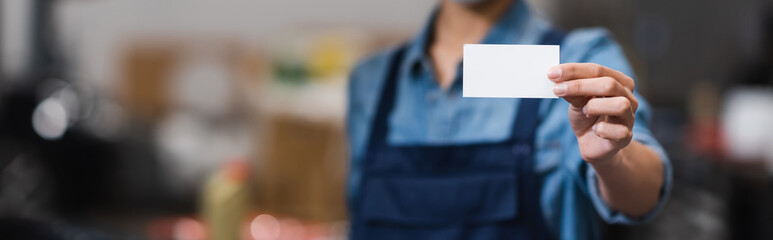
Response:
column 508, row 29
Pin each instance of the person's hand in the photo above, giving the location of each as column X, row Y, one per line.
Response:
column 602, row 107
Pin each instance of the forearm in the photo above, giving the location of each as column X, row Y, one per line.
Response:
column 630, row 182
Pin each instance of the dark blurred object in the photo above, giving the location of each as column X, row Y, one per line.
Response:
column 77, row 163
column 716, row 194
column 747, row 118
column 2, row 51
column 24, row 229
column 758, row 70
column 74, row 165
column 700, row 203
column 45, row 57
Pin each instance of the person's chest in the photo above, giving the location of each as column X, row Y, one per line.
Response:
column 426, row 114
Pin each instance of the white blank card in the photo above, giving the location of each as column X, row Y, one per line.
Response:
column 508, row 71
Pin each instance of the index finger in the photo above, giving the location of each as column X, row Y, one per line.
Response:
column 571, row 71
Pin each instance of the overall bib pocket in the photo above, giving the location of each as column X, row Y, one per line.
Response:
column 441, row 200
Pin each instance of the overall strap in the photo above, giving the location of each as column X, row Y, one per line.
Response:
column 386, row 99
column 524, row 132
column 526, row 122
column 553, row 37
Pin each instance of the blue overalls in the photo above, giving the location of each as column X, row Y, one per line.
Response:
column 470, row 191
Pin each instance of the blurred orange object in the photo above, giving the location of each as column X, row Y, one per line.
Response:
column 180, row 228
column 146, row 70
column 270, row 227
column 302, row 170
column 707, row 138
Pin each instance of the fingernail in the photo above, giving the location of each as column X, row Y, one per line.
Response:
column 593, row 128
column 554, row 73
column 559, row 89
column 585, row 110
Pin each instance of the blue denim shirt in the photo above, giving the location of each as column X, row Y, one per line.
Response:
column 425, row 114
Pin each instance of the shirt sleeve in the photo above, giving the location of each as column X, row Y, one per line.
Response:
column 642, row 134
column 597, row 46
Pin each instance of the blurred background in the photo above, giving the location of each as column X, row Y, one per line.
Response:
column 203, row 119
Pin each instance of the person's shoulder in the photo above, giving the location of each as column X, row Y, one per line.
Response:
column 597, row 45
column 365, row 83
column 368, row 73
column 589, row 36
column 584, row 41
column 373, row 64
